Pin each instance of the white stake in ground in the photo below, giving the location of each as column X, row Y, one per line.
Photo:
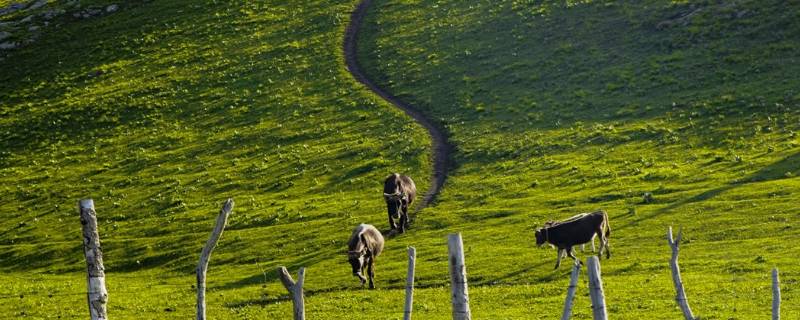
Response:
column 776, row 295
column 573, row 285
column 458, row 278
column 680, row 296
column 205, row 255
column 596, row 289
column 96, row 276
column 412, row 258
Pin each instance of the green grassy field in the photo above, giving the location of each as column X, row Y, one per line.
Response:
column 162, row 110
column 556, row 110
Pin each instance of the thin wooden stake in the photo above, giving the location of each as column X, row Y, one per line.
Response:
column 296, row 290
column 776, row 295
column 205, row 255
column 458, row 278
column 97, row 294
column 680, row 296
column 412, row 259
column 573, row 285
column 596, row 289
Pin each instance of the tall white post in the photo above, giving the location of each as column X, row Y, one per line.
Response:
column 205, row 256
column 97, row 295
column 596, row 289
column 458, row 278
column 412, row 257
column 573, row 285
column 776, row 295
column 680, row 296
column 296, row 290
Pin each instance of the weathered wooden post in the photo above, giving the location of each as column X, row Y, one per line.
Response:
column 412, row 258
column 296, row 290
column 205, row 255
column 596, row 289
column 680, row 296
column 573, row 285
column 776, row 295
column 458, row 278
column 97, row 295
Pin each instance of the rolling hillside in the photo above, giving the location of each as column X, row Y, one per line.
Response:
column 161, row 110
column 562, row 109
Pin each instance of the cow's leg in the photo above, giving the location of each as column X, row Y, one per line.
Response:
column 608, row 249
column 572, row 255
column 560, row 254
column 391, row 223
column 593, row 248
column 361, row 276
column 603, row 243
column 403, row 219
column 371, row 273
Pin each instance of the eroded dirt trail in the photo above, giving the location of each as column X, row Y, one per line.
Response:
column 442, row 149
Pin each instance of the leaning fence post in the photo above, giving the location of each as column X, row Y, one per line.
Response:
column 458, row 278
column 96, row 276
column 776, row 295
column 205, row 255
column 596, row 289
column 296, row 290
column 573, row 285
column 680, row 296
column 412, row 258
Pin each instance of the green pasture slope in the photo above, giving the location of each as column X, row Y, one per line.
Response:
column 195, row 102
column 557, row 109
column 553, row 111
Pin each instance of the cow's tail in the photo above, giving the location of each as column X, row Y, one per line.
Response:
column 608, row 225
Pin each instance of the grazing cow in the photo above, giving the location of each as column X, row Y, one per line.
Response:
column 576, row 230
column 399, row 192
column 364, row 245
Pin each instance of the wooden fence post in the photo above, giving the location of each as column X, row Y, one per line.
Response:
column 96, row 276
column 680, row 296
column 776, row 295
column 596, row 289
column 205, row 255
column 573, row 285
column 412, row 259
column 296, row 290
column 458, row 278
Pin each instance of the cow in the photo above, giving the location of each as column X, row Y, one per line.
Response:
column 578, row 229
column 365, row 244
column 580, row 215
column 399, row 192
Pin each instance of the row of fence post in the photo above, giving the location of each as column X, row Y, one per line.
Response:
column 97, row 295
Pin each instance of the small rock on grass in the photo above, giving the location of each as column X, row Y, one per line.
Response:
column 112, row 8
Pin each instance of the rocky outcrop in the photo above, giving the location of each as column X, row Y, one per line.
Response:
column 24, row 22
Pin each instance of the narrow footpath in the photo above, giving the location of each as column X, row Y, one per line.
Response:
column 442, row 149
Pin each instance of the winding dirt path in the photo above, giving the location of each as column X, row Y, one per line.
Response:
column 442, row 149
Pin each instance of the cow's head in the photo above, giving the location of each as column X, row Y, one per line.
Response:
column 393, row 195
column 541, row 237
column 358, row 259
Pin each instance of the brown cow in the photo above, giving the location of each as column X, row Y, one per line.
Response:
column 578, row 229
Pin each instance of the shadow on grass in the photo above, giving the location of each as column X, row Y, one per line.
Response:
column 782, row 169
column 272, row 274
